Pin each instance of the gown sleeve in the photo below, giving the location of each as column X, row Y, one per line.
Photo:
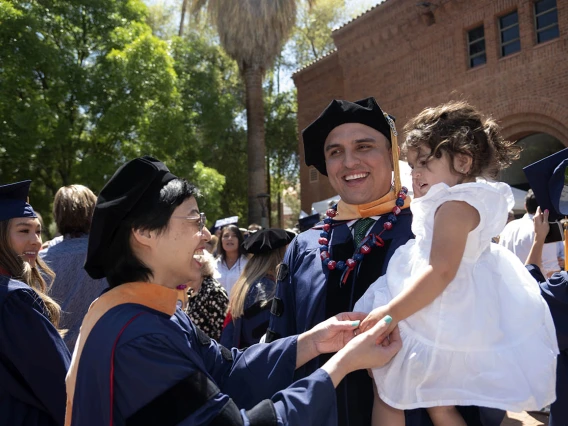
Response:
column 189, row 394
column 36, row 350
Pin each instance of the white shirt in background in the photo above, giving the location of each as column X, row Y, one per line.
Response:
column 518, row 236
column 228, row 277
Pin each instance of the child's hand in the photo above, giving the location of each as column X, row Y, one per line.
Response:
column 541, row 226
column 374, row 317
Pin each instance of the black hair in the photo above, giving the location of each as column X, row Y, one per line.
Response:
column 530, row 202
column 235, row 229
column 121, row 265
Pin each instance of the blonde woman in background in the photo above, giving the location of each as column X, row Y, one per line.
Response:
column 251, row 297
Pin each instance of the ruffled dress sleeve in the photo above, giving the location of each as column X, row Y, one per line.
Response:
column 492, row 200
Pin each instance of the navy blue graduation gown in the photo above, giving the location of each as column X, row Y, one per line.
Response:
column 168, row 372
column 248, row 329
column 308, row 293
column 33, row 360
column 555, row 292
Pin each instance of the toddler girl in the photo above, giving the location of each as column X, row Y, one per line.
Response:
column 475, row 329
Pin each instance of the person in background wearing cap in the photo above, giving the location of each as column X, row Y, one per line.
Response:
column 251, row 297
column 33, row 357
column 140, row 360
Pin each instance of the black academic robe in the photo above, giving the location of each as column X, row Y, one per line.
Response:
column 308, row 293
column 139, row 365
column 33, row 360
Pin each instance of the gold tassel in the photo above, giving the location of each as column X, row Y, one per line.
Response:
column 395, row 154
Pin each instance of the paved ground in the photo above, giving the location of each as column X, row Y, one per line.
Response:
column 525, row 419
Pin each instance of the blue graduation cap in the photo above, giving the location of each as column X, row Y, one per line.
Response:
column 548, row 179
column 14, row 200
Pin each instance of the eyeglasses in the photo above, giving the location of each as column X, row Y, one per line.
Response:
column 200, row 220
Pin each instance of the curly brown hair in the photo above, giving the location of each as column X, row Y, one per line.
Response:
column 459, row 128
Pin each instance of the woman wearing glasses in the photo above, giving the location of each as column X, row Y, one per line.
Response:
column 139, row 360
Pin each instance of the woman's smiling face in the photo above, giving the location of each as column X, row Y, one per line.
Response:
column 25, row 238
column 177, row 250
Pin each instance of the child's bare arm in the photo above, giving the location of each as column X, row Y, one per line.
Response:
column 452, row 224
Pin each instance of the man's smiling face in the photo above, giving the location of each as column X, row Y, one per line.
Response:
column 359, row 163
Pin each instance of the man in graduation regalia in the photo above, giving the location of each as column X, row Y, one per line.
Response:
column 328, row 268
column 547, row 179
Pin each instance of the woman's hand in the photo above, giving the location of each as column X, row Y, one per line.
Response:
column 334, row 333
column 376, row 315
column 541, row 226
column 328, row 336
column 363, row 352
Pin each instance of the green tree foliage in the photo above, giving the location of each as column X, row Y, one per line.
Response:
column 253, row 34
column 281, row 147
column 311, row 39
column 212, row 100
column 210, row 183
column 161, row 18
column 84, row 85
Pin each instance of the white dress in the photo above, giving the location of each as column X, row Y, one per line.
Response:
column 488, row 340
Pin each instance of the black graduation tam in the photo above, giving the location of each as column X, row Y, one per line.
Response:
column 14, row 200
column 338, row 112
column 266, row 240
column 136, row 185
column 308, row 222
column 546, row 178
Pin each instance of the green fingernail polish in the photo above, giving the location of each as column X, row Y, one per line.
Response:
column 387, row 319
column 355, row 323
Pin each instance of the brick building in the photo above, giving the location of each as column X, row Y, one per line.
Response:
column 507, row 57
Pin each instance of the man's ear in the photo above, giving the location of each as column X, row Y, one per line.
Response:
column 463, row 163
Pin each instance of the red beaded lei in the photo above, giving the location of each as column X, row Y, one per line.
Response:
column 364, row 247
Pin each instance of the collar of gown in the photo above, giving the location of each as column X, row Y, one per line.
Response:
column 378, row 207
column 154, row 296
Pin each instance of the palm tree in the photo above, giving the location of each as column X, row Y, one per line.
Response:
column 253, row 32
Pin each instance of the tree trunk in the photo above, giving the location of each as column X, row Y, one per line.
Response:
column 256, row 149
column 182, row 20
